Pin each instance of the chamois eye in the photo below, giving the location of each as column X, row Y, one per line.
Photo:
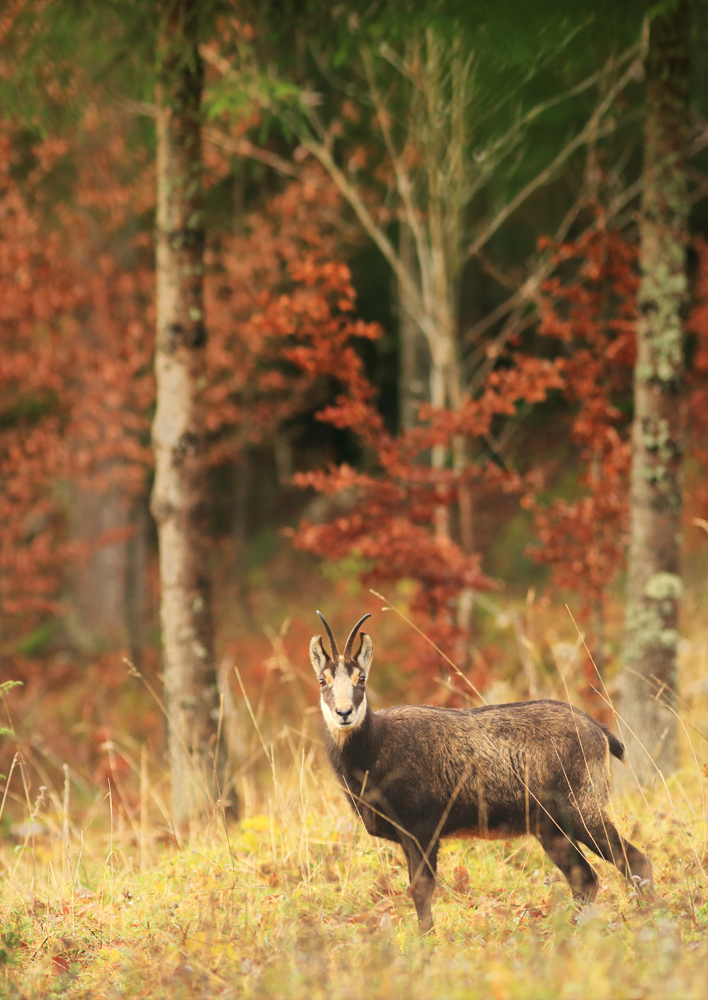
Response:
column 362, row 679
column 322, row 682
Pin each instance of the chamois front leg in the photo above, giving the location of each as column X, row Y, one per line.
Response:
column 566, row 854
column 603, row 838
column 421, row 874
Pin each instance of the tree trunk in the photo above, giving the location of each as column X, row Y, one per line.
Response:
column 242, row 491
column 649, row 678
column 137, row 610
column 414, row 354
column 180, row 496
column 99, row 621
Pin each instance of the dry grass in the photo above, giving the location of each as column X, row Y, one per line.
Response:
column 296, row 901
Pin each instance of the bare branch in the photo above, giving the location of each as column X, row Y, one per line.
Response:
column 374, row 231
column 517, row 323
column 211, row 55
column 544, row 176
column 620, row 202
column 529, row 290
column 131, row 107
column 336, row 82
column 699, row 192
column 245, row 148
column 402, row 179
column 539, row 109
column 308, row 105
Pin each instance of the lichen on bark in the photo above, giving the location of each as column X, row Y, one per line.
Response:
column 662, row 586
column 648, row 683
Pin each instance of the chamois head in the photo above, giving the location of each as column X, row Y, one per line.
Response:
column 342, row 678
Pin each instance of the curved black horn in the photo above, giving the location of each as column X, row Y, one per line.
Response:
column 352, row 636
column 333, row 644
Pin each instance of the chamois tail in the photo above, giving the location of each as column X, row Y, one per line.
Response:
column 616, row 746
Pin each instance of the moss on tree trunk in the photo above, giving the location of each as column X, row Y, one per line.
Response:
column 649, row 678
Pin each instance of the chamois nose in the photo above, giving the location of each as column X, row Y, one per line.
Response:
column 344, row 713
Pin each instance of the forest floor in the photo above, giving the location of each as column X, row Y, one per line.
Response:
column 296, row 901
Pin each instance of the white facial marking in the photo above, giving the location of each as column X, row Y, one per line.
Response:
column 359, row 714
column 337, row 728
column 339, row 732
column 342, row 691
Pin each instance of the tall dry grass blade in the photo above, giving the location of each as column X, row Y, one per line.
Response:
column 7, row 783
column 144, row 790
column 66, row 872
column 34, row 812
column 528, row 658
column 220, row 801
column 606, row 697
column 392, row 607
column 191, row 755
column 219, row 725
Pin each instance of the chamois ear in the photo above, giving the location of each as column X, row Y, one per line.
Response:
column 318, row 657
column 366, row 653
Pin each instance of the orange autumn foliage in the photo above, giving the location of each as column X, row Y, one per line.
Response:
column 697, row 408
column 75, row 381
column 278, row 303
column 387, row 516
column 590, row 309
column 77, row 315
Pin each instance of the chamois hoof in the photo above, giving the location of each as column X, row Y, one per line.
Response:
column 643, row 890
column 585, row 914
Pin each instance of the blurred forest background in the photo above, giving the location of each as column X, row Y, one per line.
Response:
column 416, row 272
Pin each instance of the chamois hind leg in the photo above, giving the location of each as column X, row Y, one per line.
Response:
column 605, row 841
column 421, row 874
column 566, row 855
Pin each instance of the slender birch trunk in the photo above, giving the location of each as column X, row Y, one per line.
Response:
column 179, row 499
column 414, row 365
column 649, row 678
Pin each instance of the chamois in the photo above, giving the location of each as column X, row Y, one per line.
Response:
column 416, row 773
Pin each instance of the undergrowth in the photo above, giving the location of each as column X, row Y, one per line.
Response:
column 298, row 902
column 294, row 901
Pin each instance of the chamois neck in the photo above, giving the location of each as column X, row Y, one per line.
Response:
column 352, row 750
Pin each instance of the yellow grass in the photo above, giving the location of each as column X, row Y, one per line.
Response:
column 296, row 901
